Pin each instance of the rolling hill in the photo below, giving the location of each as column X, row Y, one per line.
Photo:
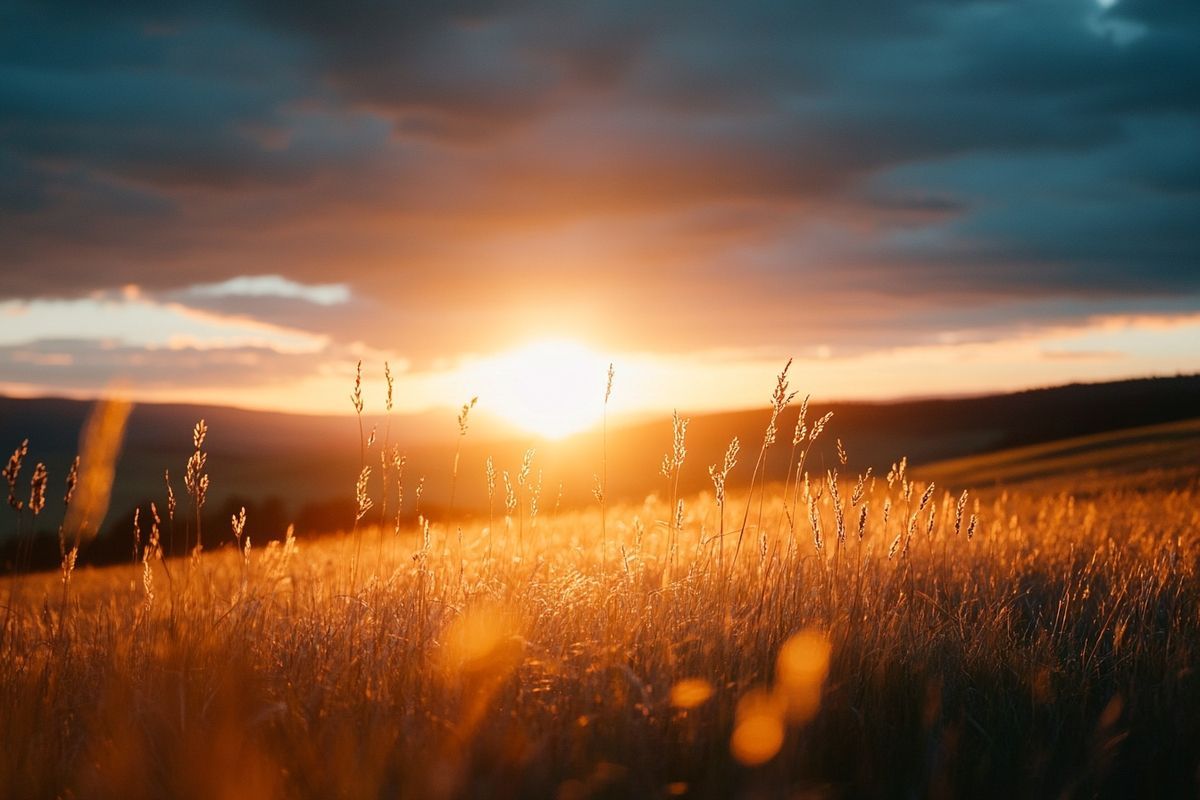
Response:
column 302, row 469
column 1163, row 450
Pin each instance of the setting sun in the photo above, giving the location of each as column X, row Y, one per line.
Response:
column 552, row 387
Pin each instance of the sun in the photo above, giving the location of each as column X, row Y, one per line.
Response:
column 551, row 387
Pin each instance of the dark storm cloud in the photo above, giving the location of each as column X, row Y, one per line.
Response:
column 485, row 162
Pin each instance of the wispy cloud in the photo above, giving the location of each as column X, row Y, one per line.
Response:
column 322, row 294
column 132, row 320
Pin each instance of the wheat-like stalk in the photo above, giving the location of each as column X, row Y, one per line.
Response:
column 195, row 480
column 363, row 500
column 37, row 489
column 12, row 471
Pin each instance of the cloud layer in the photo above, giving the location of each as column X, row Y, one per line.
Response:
column 663, row 176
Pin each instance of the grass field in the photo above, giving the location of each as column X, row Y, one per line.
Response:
column 1157, row 453
column 833, row 636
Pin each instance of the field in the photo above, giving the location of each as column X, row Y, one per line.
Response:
column 1155, row 454
column 834, row 635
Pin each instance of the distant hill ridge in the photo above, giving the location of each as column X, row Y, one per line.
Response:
column 303, row 468
column 1092, row 407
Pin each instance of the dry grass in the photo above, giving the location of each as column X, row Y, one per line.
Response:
column 1013, row 644
column 1083, row 462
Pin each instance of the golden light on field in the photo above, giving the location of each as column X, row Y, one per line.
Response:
column 99, row 448
column 479, row 642
column 690, row 693
column 758, row 732
column 795, row 698
column 800, row 671
column 551, row 387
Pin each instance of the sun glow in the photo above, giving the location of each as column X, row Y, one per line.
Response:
column 553, row 387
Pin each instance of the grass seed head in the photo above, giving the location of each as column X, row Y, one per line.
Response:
column 12, row 471
column 37, row 489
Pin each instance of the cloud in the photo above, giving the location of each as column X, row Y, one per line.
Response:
column 325, row 294
column 129, row 319
column 79, row 365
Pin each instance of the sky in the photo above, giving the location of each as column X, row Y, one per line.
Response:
column 236, row 202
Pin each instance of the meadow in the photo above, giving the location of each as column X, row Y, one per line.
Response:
column 841, row 633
